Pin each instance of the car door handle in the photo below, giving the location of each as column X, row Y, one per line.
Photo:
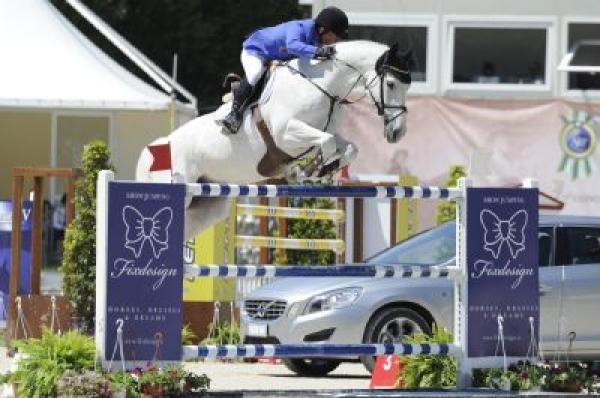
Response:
column 544, row 289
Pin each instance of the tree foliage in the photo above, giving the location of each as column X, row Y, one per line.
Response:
column 206, row 35
column 79, row 257
column 446, row 211
column 310, row 229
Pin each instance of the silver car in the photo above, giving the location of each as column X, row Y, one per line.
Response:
column 366, row 310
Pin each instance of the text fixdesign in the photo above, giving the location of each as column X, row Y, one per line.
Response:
column 128, row 268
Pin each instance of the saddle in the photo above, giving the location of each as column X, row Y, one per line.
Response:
column 275, row 160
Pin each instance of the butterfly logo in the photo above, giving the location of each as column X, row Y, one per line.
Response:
column 503, row 233
column 147, row 231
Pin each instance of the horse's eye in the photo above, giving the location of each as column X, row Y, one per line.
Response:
column 390, row 85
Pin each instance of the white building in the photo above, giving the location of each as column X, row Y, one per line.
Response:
column 486, row 85
column 58, row 91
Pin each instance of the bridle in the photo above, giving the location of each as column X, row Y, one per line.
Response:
column 400, row 74
column 380, row 72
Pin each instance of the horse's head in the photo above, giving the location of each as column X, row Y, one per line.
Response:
column 393, row 76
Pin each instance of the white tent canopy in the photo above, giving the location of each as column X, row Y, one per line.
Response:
column 48, row 63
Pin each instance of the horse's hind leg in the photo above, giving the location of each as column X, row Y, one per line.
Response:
column 203, row 212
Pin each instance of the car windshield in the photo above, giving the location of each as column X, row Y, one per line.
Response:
column 434, row 246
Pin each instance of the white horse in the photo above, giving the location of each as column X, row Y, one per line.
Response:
column 299, row 107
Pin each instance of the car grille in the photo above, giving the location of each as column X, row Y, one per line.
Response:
column 264, row 309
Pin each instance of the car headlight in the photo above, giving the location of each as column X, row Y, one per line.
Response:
column 333, row 300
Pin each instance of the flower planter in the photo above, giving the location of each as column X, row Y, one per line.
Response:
column 152, row 390
column 568, row 387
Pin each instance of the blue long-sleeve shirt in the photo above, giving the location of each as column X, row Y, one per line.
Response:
column 293, row 39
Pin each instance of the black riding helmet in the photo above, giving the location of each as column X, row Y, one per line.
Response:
column 335, row 20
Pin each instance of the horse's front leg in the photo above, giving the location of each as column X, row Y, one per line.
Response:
column 334, row 152
column 346, row 153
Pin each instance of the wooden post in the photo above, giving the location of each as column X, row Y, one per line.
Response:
column 282, row 202
column 36, row 235
column 263, row 230
column 38, row 303
column 15, row 247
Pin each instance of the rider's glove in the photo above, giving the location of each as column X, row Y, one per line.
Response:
column 324, row 52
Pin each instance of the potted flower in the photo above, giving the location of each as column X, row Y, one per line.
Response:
column 567, row 377
column 520, row 376
column 171, row 380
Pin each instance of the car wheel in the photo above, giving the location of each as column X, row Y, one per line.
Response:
column 313, row 367
column 389, row 326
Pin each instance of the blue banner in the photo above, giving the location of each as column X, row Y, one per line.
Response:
column 6, row 210
column 145, row 270
column 502, row 266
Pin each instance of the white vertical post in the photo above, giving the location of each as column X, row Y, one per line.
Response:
column 349, row 229
column 104, row 177
column 530, row 183
column 464, row 368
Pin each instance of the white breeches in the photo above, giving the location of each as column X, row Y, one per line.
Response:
column 254, row 66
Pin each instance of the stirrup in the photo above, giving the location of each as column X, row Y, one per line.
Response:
column 231, row 123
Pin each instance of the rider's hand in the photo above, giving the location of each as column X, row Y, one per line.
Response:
column 324, row 52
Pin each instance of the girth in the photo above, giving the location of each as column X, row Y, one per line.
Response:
column 274, row 161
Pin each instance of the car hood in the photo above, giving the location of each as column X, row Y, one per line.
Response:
column 303, row 286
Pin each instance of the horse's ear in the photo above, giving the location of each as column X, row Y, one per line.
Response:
column 408, row 58
column 394, row 48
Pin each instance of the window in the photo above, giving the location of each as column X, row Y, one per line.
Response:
column 487, row 55
column 578, row 32
column 414, row 37
column 502, row 55
column 584, row 245
column 418, row 32
column 545, row 238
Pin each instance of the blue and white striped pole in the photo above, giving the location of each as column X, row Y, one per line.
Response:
column 314, row 350
column 366, row 271
column 320, row 191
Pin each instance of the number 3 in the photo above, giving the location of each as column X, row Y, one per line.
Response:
column 388, row 362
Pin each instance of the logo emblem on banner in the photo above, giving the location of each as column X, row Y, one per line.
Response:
column 143, row 231
column 578, row 141
column 499, row 233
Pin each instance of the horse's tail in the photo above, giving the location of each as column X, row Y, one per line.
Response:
column 145, row 161
column 142, row 170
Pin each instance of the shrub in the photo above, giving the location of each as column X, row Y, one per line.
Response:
column 446, row 211
column 79, row 258
column 310, row 229
column 44, row 360
column 428, row 371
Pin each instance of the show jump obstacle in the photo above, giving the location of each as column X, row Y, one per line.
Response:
column 140, row 269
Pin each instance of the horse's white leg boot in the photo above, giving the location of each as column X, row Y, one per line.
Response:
column 347, row 150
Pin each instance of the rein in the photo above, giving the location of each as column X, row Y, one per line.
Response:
column 380, row 105
column 332, row 98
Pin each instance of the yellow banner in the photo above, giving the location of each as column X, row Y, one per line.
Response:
column 209, row 248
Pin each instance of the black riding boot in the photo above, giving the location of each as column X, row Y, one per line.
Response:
column 233, row 121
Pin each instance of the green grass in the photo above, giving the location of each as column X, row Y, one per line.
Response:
column 2, row 341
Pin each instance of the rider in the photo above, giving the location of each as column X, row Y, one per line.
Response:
column 306, row 38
